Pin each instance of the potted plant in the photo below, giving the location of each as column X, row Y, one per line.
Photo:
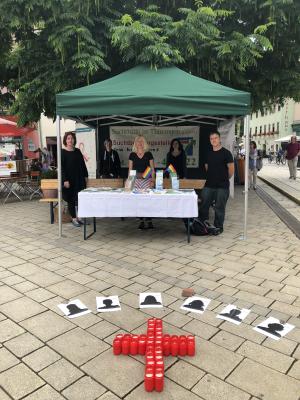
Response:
column 49, row 188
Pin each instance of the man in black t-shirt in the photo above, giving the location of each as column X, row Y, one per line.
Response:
column 219, row 169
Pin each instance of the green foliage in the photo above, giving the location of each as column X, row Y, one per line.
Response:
column 49, row 46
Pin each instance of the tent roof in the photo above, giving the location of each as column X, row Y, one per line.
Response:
column 286, row 138
column 142, row 90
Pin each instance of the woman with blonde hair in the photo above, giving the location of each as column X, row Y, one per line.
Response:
column 139, row 159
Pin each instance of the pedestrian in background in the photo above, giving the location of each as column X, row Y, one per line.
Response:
column 252, row 165
column 292, row 154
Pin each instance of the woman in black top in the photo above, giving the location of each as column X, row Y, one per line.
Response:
column 139, row 160
column 177, row 158
column 74, row 174
column 110, row 166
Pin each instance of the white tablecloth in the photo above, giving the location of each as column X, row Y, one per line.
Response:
column 126, row 204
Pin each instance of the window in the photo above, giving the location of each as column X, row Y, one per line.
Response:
column 273, row 127
column 277, row 127
column 250, row 131
column 266, row 111
column 262, row 113
column 269, row 128
column 279, row 108
column 260, row 129
column 256, row 115
column 265, row 128
column 256, row 130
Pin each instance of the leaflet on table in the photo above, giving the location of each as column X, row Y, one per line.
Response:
column 159, row 180
column 104, row 189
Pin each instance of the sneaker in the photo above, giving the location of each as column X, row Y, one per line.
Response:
column 254, row 187
column 142, row 225
column 75, row 223
column 82, row 222
column 150, row 225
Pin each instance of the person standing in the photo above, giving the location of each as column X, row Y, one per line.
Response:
column 74, row 175
column 139, row 159
column 177, row 158
column 252, row 165
column 219, row 169
column 110, row 165
column 292, row 154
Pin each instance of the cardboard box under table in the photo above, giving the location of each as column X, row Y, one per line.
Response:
column 169, row 204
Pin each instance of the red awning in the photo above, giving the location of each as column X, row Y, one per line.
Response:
column 8, row 127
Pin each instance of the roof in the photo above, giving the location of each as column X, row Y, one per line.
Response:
column 142, row 90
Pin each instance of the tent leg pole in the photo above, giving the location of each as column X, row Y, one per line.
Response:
column 58, row 140
column 247, row 148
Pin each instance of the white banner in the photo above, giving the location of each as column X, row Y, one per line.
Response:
column 6, row 167
column 226, row 130
column 158, row 139
column 86, row 142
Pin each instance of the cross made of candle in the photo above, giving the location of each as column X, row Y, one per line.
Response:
column 154, row 346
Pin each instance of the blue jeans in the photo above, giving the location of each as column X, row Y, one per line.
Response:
column 209, row 195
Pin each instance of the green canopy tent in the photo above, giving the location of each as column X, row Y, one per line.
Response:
column 146, row 96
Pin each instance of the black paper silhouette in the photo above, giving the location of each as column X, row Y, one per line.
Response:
column 272, row 328
column 108, row 304
column 74, row 309
column 150, row 300
column 233, row 314
column 195, row 305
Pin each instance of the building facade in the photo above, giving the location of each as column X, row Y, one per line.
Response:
column 273, row 123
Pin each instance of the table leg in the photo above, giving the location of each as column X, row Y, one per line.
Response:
column 51, row 213
column 94, row 224
column 84, row 229
column 188, row 231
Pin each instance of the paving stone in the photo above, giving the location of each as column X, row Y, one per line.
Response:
column 227, row 340
column 8, row 294
column 23, row 344
column 295, row 370
column 293, row 281
column 201, row 329
column 211, row 388
column 108, row 396
column 9, row 330
column 45, row 393
column 10, row 261
column 7, row 359
column 40, row 294
column 27, row 381
column 267, row 357
column 12, row 280
column 61, row 374
column 123, row 374
column 67, row 289
column 264, row 382
column 26, row 269
column 127, row 319
column 41, row 358
column 171, row 391
column 47, row 325
column 21, row 309
column 286, row 308
column 3, row 395
column 103, row 329
column 25, row 286
column 283, row 345
column 85, row 387
column 78, row 346
column 178, row 319
column 206, row 355
column 184, row 374
column 45, row 278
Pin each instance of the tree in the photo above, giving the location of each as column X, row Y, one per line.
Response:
column 57, row 45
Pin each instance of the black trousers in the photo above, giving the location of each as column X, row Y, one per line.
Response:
column 220, row 196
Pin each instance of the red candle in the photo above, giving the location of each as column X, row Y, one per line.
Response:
column 159, row 380
column 182, row 350
column 142, row 346
column 134, row 345
column 191, row 346
column 119, row 336
column 174, row 346
column 117, row 347
column 159, row 363
column 149, row 379
column 125, row 345
column 166, row 347
column 150, row 360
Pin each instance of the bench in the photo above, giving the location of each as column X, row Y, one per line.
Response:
column 52, row 184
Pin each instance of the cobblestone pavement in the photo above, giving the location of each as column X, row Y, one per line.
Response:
column 44, row 356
